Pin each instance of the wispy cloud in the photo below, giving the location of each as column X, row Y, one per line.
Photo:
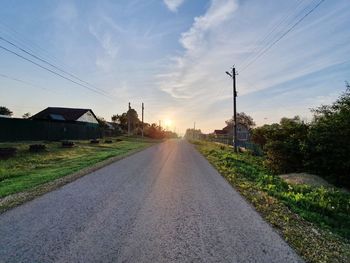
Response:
column 173, row 5
column 109, row 47
column 192, row 67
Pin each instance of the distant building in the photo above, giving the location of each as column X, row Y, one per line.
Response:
column 66, row 114
column 226, row 134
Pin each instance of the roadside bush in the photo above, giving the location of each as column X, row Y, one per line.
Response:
column 328, row 146
column 321, row 147
column 283, row 144
column 37, row 147
column 7, row 152
column 67, row 144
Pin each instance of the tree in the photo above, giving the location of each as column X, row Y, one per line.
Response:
column 114, row 118
column 5, row 111
column 283, row 144
column 102, row 122
column 328, row 145
column 26, row 115
column 243, row 119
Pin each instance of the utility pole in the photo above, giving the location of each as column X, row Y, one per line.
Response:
column 194, row 129
column 233, row 76
column 129, row 120
column 142, row 118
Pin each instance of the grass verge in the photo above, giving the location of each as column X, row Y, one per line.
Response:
column 314, row 221
column 30, row 174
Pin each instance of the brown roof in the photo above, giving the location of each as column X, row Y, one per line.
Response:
column 63, row 114
column 220, row 132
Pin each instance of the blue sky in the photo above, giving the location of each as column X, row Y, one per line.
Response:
column 172, row 55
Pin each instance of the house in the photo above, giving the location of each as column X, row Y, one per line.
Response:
column 226, row 134
column 220, row 133
column 66, row 114
column 243, row 133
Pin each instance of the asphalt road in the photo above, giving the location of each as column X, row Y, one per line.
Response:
column 164, row 204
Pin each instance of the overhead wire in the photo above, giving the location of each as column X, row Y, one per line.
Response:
column 53, row 72
column 269, row 34
column 282, row 36
column 48, row 63
column 30, row 45
column 25, row 82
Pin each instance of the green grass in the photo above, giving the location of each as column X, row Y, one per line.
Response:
column 27, row 170
column 314, row 220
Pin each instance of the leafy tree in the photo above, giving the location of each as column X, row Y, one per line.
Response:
column 134, row 119
column 154, row 131
column 114, row 118
column 102, row 122
column 5, row 111
column 26, row 115
column 283, row 144
column 285, row 147
column 243, row 119
column 328, row 146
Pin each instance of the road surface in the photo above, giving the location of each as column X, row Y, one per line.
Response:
column 164, row 204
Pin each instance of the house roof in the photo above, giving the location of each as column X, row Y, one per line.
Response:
column 220, row 132
column 62, row 114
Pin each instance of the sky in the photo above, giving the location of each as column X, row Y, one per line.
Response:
column 172, row 55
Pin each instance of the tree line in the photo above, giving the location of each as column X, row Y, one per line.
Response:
column 151, row 130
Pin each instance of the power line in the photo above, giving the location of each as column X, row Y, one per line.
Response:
column 257, row 50
column 50, row 64
column 32, row 46
column 24, row 82
column 53, row 72
column 283, row 35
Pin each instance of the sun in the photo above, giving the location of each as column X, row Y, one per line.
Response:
column 167, row 122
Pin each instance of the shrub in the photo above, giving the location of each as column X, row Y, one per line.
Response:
column 67, row 144
column 328, row 146
column 108, row 141
column 37, row 147
column 94, row 141
column 7, row 152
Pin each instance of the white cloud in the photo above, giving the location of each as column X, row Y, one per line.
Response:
column 218, row 12
column 109, row 46
column 173, row 5
column 201, row 53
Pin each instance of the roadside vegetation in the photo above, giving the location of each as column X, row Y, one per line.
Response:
column 321, row 147
column 27, row 169
column 313, row 220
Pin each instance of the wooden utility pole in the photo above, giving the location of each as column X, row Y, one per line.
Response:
column 129, row 120
column 194, row 129
column 142, row 118
column 234, row 108
column 233, row 76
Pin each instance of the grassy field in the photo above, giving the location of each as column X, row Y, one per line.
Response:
column 27, row 170
column 313, row 220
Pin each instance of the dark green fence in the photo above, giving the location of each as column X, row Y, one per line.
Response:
column 12, row 129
